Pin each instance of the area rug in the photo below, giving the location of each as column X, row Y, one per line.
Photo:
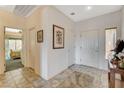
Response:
column 14, row 64
column 71, row 80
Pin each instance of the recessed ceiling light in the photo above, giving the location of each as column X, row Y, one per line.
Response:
column 89, row 7
column 72, row 13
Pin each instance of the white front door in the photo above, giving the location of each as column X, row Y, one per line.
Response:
column 89, row 48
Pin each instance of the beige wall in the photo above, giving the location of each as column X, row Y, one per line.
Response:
column 10, row 20
column 34, row 23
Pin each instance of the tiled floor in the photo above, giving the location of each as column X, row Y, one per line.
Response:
column 75, row 76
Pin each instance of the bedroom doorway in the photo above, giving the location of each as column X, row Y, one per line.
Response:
column 13, row 49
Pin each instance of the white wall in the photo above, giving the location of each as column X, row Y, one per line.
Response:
column 99, row 23
column 122, row 28
column 55, row 60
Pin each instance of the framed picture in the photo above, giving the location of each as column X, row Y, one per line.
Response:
column 58, row 37
column 40, row 36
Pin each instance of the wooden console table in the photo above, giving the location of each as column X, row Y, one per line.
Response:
column 111, row 76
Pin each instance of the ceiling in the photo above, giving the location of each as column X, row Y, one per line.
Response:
column 74, row 12
column 23, row 10
column 82, row 12
column 20, row 10
column 8, row 7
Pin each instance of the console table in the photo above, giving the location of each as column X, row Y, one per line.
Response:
column 111, row 76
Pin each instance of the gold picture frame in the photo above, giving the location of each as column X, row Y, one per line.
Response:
column 40, row 36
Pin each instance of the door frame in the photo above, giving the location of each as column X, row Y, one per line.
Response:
column 105, row 37
column 4, row 45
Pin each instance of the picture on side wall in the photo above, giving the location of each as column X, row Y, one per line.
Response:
column 58, row 37
column 40, row 36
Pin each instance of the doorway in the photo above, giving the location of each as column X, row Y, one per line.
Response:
column 13, row 49
column 110, row 41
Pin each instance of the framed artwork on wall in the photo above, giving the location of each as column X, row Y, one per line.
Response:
column 40, row 36
column 58, row 37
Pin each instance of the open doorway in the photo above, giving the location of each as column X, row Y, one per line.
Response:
column 110, row 41
column 13, row 48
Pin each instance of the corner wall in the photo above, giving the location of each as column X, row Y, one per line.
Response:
column 34, row 23
column 55, row 61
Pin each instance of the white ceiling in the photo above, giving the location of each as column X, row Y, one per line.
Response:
column 8, row 7
column 23, row 10
column 20, row 10
column 82, row 12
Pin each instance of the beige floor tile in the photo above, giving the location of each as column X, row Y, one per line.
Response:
column 73, row 77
